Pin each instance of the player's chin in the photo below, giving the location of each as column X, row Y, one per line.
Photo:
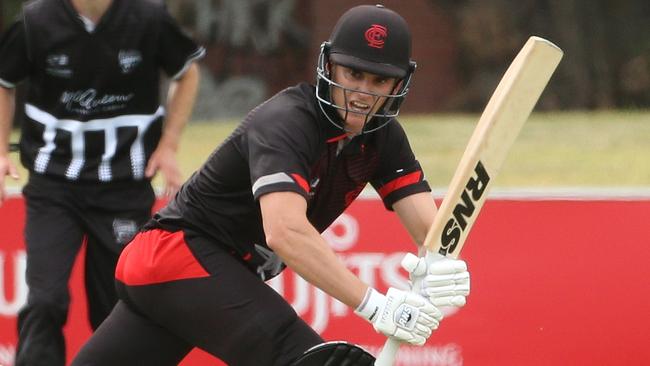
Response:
column 354, row 122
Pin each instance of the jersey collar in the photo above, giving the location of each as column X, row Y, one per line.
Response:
column 112, row 9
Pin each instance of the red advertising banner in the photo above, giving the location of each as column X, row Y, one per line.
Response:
column 554, row 282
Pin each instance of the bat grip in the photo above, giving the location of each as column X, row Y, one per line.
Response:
column 388, row 354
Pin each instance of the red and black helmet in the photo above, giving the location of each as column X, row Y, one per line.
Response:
column 373, row 39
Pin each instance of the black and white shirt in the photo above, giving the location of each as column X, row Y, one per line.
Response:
column 287, row 144
column 92, row 107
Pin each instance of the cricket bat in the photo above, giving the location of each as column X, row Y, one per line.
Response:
column 503, row 117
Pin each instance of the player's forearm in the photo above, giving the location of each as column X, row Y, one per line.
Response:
column 416, row 213
column 180, row 101
column 292, row 237
column 7, row 98
column 307, row 254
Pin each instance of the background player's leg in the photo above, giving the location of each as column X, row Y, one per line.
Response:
column 112, row 217
column 52, row 239
column 100, row 281
column 127, row 339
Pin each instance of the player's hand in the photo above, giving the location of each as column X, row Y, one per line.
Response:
column 163, row 159
column 7, row 168
column 444, row 281
column 403, row 315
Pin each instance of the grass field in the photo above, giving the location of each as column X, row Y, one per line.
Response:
column 577, row 149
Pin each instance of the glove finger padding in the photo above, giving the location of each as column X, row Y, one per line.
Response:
column 434, row 287
column 443, row 265
column 440, row 280
column 456, row 301
column 445, row 282
column 414, row 265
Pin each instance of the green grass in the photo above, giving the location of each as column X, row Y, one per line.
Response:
column 596, row 149
column 587, row 149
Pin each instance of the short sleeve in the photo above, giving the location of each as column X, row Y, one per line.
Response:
column 400, row 174
column 14, row 61
column 280, row 147
column 176, row 49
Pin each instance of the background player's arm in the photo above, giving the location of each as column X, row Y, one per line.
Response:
column 7, row 104
column 180, row 101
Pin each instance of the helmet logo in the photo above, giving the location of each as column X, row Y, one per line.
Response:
column 375, row 35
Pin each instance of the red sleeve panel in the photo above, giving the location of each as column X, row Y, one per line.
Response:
column 401, row 186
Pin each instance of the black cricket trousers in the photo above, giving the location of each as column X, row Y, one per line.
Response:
column 60, row 215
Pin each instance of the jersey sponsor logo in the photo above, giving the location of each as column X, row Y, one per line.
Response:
column 474, row 190
column 89, row 101
column 376, row 35
column 128, row 60
column 58, row 65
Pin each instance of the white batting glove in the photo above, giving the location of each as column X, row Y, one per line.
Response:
column 403, row 315
column 442, row 280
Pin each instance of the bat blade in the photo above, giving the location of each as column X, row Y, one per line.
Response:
column 503, row 117
column 496, row 131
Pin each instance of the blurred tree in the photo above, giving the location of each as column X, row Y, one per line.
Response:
column 250, row 46
column 487, row 37
column 8, row 11
column 606, row 44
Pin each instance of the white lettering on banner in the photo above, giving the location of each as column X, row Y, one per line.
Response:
column 342, row 235
column 443, row 355
column 320, row 319
column 367, row 264
column 372, row 268
column 10, row 308
column 307, row 298
column 7, row 354
column 301, row 298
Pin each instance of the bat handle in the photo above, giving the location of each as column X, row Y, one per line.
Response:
column 388, row 353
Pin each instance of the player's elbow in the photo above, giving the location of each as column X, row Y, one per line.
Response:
column 284, row 220
column 284, row 236
column 279, row 238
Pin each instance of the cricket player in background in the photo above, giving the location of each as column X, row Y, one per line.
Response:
column 93, row 136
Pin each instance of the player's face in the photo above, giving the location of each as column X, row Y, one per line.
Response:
column 359, row 102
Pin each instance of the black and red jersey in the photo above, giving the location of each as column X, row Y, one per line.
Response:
column 92, row 108
column 287, row 144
